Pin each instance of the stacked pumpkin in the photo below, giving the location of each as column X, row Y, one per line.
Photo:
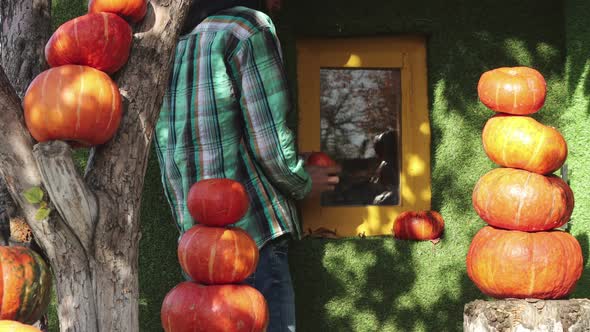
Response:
column 76, row 100
column 521, row 254
column 218, row 258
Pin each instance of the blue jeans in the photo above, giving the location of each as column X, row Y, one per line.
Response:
column 273, row 279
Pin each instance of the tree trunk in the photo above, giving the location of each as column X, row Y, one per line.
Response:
column 26, row 27
column 514, row 315
column 92, row 237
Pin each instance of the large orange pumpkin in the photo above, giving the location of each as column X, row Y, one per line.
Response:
column 73, row 103
column 100, row 40
column 133, row 10
column 217, row 202
column 513, row 90
column 514, row 264
column 516, row 199
column 25, row 285
column 418, row 225
column 13, row 326
column 523, row 142
column 217, row 255
column 190, row 307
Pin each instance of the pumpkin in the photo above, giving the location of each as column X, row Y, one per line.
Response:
column 26, row 285
column 516, row 199
column 513, row 90
column 217, row 202
column 101, row 41
column 523, row 142
column 320, row 159
column 217, row 255
column 133, row 10
column 73, row 103
column 191, row 307
column 13, row 326
column 418, row 225
column 515, row 264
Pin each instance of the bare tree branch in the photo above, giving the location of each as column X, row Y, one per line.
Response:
column 68, row 192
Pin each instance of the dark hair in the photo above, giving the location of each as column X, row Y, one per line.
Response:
column 200, row 9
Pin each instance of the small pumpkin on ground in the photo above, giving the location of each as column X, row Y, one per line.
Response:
column 418, row 225
column 190, row 307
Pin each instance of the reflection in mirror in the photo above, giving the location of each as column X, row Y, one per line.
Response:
column 360, row 127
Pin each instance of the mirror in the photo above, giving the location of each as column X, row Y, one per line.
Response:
column 360, row 128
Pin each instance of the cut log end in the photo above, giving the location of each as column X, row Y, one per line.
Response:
column 512, row 315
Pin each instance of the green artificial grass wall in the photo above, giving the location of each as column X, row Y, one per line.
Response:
column 380, row 284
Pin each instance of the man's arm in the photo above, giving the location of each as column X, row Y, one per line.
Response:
column 265, row 101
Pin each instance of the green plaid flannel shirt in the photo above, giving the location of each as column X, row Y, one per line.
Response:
column 224, row 116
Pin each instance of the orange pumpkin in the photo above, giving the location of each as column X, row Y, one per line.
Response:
column 133, row 10
column 514, row 264
column 217, row 202
column 100, row 40
column 217, row 255
column 73, row 103
column 190, row 307
column 516, row 199
column 418, row 225
column 513, row 90
column 13, row 326
column 320, row 159
column 25, row 285
column 523, row 142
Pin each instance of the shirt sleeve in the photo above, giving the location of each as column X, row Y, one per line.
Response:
column 265, row 102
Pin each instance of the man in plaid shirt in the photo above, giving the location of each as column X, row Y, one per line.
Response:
column 224, row 116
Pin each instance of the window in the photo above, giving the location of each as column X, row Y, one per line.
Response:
column 364, row 102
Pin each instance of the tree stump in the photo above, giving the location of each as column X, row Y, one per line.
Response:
column 516, row 315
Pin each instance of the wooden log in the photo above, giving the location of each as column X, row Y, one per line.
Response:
column 516, row 315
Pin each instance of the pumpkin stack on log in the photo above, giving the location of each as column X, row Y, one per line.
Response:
column 218, row 258
column 520, row 254
column 76, row 100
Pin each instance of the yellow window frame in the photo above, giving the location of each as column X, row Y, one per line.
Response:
column 408, row 53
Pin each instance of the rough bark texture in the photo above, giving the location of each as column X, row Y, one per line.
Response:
column 92, row 237
column 514, row 315
column 25, row 27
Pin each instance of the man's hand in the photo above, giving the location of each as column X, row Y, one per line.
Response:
column 323, row 178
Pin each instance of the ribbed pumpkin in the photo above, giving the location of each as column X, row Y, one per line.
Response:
column 514, row 264
column 513, row 90
column 523, row 142
column 133, row 10
column 418, row 225
column 217, row 202
column 13, row 326
column 73, row 103
column 217, row 255
column 100, row 40
column 517, row 199
column 26, row 284
column 190, row 307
